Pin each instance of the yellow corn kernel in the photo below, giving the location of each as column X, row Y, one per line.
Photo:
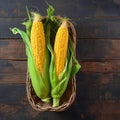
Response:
column 60, row 47
column 38, row 42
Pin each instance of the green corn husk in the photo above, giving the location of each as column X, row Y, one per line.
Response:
column 58, row 86
column 28, row 23
column 40, row 83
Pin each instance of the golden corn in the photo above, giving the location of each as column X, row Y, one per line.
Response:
column 38, row 42
column 60, row 47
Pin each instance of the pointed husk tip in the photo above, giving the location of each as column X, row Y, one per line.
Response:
column 64, row 22
column 36, row 16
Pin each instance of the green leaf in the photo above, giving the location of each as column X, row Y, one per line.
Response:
column 37, row 82
column 50, row 11
column 76, row 66
column 53, row 80
column 60, row 88
column 28, row 23
column 62, row 74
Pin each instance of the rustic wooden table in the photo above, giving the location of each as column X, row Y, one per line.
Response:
column 97, row 23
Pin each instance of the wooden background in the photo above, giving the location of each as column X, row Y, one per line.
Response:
column 97, row 23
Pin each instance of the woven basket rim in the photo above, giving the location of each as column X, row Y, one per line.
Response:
column 41, row 106
column 70, row 93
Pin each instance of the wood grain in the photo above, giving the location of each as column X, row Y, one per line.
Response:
column 14, row 105
column 86, row 49
column 7, row 23
column 106, row 110
column 10, row 66
column 98, row 49
column 15, row 71
column 105, row 66
column 98, row 27
column 88, row 27
column 12, row 49
column 12, row 72
column 98, row 87
column 97, row 24
column 16, row 67
column 81, row 8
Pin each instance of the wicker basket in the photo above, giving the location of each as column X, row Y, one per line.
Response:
column 68, row 97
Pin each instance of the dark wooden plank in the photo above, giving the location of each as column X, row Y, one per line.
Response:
column 12, row 49
column 80, row 7
column 108, row 107
column 85, row 27
column 98, row 27
column 16, row 8
column 89, row 27
column 98, row 49
column 105, row 66
column 100, row 78
column 12, row 78
column 92, row 18
column 91, row 86
column 7, row 23
column 105, row 110
column 16, row 67
column 14, row 93
column 14, row 105
column 87, row 49
column 9, row 66
column 98, row 86
column 15, row 71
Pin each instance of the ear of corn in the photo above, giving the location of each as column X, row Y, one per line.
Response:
column 38, row 42
column 39, row 74
column 36, row 79
column 58, row 83
column 61, row 47
column 63, row 79
column 40, row 53
column 39, row 50
column 61, row 63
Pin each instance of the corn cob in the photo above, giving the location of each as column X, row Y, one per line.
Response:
column 60, row 47
column 38, row 41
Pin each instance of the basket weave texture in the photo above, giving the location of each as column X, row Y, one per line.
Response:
column 67, row 98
